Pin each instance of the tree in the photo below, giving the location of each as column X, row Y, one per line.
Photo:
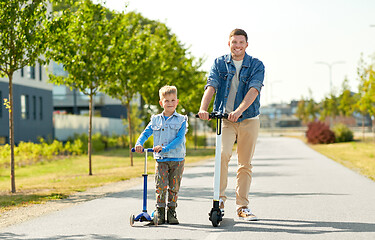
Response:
column 307, row 110
column 81, row 42
column 146, row 56
column 329, row 108
column 366, row 91
column 172, row 64
column 128, row 61
column 22, row 42
column 346, row 100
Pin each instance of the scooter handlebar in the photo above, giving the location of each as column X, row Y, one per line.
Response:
column 147, row 149
column 214, row 115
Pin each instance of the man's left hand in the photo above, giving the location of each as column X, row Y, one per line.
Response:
column 234, row 116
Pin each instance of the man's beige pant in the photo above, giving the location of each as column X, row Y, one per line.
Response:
column 246, row 133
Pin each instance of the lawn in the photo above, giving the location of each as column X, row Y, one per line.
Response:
column 60, row 178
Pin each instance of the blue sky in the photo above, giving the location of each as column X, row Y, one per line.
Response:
column 289, row 36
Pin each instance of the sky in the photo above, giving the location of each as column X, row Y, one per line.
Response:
column 289, row 36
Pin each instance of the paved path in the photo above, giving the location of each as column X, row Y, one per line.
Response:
column 296, row 192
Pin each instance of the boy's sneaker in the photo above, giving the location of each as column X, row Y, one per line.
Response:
column 245, row 214
column 221, row 206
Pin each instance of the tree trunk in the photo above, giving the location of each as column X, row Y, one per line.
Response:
column 373, row 127
column 11, row 135
column 130, row 132
column 195, row 134
column 89, row 138
column 363, row 127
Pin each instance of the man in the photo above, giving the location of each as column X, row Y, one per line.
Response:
column 237, row 79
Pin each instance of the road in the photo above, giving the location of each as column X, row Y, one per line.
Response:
column 296, row 192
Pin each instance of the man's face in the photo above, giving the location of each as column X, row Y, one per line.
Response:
column 237, row 45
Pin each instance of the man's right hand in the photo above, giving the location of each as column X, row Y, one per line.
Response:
column 204, row 115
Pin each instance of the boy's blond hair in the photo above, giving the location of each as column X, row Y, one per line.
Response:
column 167, row 90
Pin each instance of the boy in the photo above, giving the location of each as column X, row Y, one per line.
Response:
column 169, row 129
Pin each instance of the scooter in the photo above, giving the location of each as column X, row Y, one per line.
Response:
column 215, row 214
column 144, row 216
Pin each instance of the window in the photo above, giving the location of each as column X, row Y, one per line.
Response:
column 25, row 108
column 40, row 72
column 41, row 108
column 31, row 72
column 34, row 107
column 22, row 73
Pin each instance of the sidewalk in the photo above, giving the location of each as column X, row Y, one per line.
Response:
column 296, row 193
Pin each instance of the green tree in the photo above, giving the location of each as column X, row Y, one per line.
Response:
column 172, row 64
column 81, row 42
column 346, row 100
column 307, row 109
column 129, row 65
column 329, row 108
column 22, row 42
column 366, row 91
column 146, row 56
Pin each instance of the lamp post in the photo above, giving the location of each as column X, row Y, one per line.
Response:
column 330, row 65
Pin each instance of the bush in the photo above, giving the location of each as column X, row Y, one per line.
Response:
column 201, row 141
column 318, row 132
column 342, row 133
column 97, row 142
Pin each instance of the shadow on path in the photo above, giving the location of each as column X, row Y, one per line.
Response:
column 282, row 226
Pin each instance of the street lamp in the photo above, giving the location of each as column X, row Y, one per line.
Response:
column 330, row 65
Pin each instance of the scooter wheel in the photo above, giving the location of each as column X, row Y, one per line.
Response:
column 132, row 217
column 215, row 218
column 155, row 219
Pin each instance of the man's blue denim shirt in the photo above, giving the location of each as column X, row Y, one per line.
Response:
column 251, row 76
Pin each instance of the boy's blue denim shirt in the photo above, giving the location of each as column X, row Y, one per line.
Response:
column 167, row 134
column 251, row 76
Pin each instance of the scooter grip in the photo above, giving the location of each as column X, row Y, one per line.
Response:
column 147, row 149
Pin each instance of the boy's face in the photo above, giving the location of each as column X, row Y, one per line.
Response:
column 169, row 102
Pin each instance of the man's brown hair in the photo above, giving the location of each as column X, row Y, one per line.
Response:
column 238, row 31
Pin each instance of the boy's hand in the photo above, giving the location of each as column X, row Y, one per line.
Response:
column 157, row 149
column 138, row 149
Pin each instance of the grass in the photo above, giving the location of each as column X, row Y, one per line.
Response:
column 58, row 179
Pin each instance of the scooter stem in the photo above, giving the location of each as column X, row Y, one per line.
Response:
column 217, row 160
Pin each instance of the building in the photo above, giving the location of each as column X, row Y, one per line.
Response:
column 71, row 101
column 279, row 115
column 32, row 105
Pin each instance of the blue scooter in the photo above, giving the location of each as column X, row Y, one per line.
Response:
column 144, row 216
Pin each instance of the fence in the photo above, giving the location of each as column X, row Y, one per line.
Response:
column 67, row 125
